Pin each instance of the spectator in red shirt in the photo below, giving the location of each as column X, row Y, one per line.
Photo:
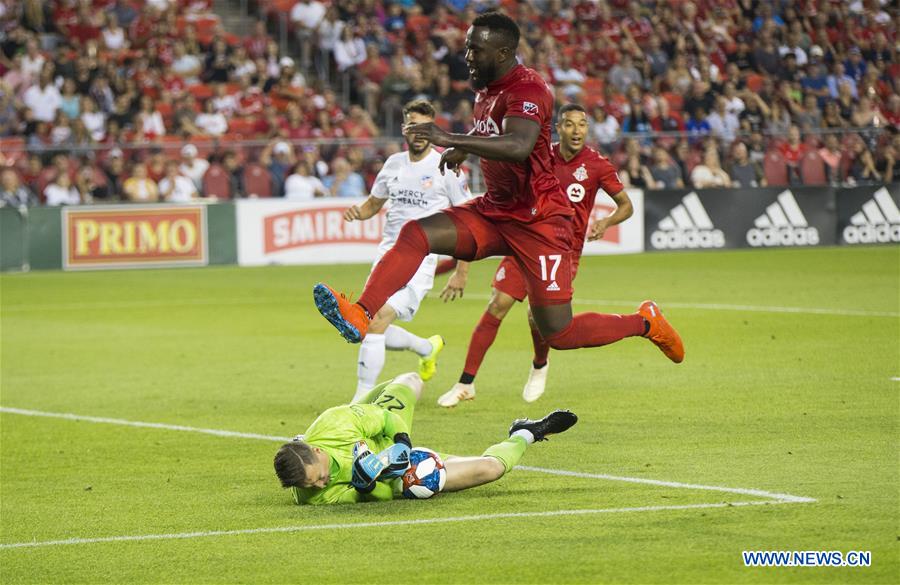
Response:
column 792, row 152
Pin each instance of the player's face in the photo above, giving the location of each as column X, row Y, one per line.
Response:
column 318, row 473
column 572, row 129
column 417, row 145
column 481, row 56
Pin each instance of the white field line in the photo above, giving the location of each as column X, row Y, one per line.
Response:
column 415, row 522
column 895, row 379
column 162, row 303
column 780, row 498
column 722, row 307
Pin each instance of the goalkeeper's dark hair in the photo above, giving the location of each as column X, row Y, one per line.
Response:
column 291, row 461
column 499, row 23
column 423, row 107
column 569, row 108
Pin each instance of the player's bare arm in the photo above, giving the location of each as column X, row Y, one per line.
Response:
column 514, row 144
column 623, row 211
column 364, row 210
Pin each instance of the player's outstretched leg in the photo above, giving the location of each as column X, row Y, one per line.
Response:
column 435, row 233
column 554, row 423
column 499, row 459
column 594, row 329
column 661, row 332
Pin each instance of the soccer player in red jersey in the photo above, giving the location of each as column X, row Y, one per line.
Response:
column 581, row 171
column 523, row 214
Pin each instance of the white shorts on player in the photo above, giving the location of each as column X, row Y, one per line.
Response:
column 407, row 300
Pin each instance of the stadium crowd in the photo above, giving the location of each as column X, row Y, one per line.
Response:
column 108, row 100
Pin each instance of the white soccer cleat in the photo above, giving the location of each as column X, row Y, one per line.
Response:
column 457, row 394
column 537, row 381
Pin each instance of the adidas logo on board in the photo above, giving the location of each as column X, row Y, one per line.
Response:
column 878, row 222
column 687, row 227
column 783, row 224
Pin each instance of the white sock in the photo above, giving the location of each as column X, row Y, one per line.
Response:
column 396, row 338
column 370, row 363
column 525, row 434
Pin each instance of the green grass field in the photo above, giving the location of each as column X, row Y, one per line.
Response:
column 787, row 387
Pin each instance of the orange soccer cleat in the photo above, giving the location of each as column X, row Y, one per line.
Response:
column 348, row 318
column 661, row 332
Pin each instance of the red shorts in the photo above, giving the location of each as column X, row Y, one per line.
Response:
column 542, row 250
column 509, row 280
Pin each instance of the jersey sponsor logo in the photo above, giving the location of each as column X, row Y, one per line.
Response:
column 580, row 173
column 530, row 108
column 576, row 192
column 487, row 127
column 687, row 226
column 877, row 222
column 783, row 224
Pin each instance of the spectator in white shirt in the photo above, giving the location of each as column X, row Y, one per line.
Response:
column 113, row 34
column 32, row 61
column 175, row 187
column 350, row 50
column 210, row 121
column 62, row 192
column 43, row 99
column 302, row 186
column 605, row 128
column 192, row 167
column 94, row 121
column 185, row 65
column 570, row 78
column 710, row 173
column 308, row 14
column 722, row 123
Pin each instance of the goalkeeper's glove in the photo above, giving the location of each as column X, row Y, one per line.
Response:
column 366, row 468
column 397, row 458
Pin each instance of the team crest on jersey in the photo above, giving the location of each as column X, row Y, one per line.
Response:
column 427, row 182
column 580, row 173
column 530, row 108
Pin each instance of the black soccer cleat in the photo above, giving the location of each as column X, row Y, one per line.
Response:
column 554, row 423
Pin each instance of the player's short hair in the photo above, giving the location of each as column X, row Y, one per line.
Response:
column 499, row 23
column 291, row 461
column 423, row 107
column 570, row 108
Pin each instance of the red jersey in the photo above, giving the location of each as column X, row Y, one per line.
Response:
column 526, row 191
column 580, row 179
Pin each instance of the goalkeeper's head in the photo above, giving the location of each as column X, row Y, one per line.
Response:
column 301, row 465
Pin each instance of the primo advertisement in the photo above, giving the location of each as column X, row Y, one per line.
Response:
column 129, row 236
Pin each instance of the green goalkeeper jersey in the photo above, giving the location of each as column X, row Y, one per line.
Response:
column 339, row 428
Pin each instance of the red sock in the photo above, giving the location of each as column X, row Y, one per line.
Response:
column 482, row 338
column 594, row 329
column 396, row 268
column 541, row 347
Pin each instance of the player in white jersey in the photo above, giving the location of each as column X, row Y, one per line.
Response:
column 416, row 188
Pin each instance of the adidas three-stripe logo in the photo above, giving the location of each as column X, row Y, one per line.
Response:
column 878, row 221
column 783, row 224
column 687, row 226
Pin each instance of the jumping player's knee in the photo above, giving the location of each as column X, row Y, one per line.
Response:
column 552, row 321
column 412, row 381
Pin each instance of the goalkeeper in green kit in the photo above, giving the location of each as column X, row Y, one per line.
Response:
column 357, row 452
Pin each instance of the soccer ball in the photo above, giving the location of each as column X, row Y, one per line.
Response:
column 426, row 474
